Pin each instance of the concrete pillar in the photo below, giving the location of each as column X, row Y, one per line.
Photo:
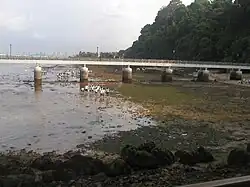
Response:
column 236, row 75
column 127, row 75
column 203, row 75
column 38, row 78
column 167, row 75
column 84, row 74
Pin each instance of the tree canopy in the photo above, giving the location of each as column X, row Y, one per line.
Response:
column 217, row 30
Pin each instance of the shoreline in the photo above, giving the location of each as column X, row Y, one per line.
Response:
column 145, row 165
column 187, row 115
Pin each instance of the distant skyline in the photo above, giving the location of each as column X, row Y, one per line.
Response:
column 70, row 26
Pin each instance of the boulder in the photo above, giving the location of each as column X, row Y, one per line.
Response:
column 18, row 180
column 117, row 167
column 63, row 175
column 45, row 163
column 238, row 157
column 146, row 156
column 185, row 157
column 84, row 165
column 248, row 147
column 200, row 155
column 164, row 157
column 203, row 156
column 148, row 146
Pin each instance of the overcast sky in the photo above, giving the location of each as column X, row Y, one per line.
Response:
column 73, row 25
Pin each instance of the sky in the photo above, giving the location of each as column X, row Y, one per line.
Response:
column 73, row 25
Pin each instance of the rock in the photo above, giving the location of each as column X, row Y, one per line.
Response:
column 63, row 175
column 45, row 163
column 185, row 157
column 117, row 167
column 17, row 180
column 138, row 159
column 149, row 146
column 84, row 165
column 4, row 170
column 203, row 156
column 48, row 176
column 146, row 156
column 164, row 157
column 248, row 147
column 238, row 157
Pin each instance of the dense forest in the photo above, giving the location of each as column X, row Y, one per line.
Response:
column 217, row 30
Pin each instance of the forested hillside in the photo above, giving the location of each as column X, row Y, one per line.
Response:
column 217, row 30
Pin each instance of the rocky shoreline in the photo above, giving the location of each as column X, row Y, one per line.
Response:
column 144, row 165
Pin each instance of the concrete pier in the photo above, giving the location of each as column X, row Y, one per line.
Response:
column 167, row 75
column 235, row 75
column 84, row 74
column 38, row 78
column 127, row 75
column 203, row 75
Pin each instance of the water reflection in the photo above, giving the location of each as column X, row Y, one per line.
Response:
column 38, row 94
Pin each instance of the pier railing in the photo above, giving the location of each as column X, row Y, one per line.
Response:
column 124, row 60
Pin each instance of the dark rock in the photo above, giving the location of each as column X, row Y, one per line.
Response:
column 138, row 159
column 48, row 176
column 117, row 167
column 4, row 170
column 248, row 147
column 203, row 156
column 238, row 157
column 164, row 157
column 84, row 165
column 17, row 180
column 146, row 156
column 149, row 146
column 63, row 175
column 185, row 157
column 45, row 163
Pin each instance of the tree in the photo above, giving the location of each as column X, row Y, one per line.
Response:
column 217, row 30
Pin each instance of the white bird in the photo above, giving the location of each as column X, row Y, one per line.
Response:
column 86, row 88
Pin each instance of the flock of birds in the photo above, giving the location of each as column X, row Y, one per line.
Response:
column 64, row 76
column 71, row 73
column 244, row 81
column 96, row 89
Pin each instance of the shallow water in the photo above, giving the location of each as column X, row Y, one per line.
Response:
column 60, row 117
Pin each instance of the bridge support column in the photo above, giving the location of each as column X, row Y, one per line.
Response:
column 167, row 75
column 235, row 75
column 203, row 75
column 127, row 75
column 84, row 74
column 38, row 78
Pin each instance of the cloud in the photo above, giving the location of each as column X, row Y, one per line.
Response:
column 38, row 36
column 69, row 26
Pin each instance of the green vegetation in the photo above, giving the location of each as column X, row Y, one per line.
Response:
column 162, row 102
column 155, row 94
column 217, row 30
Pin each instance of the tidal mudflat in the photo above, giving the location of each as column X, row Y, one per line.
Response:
column 60, row 117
